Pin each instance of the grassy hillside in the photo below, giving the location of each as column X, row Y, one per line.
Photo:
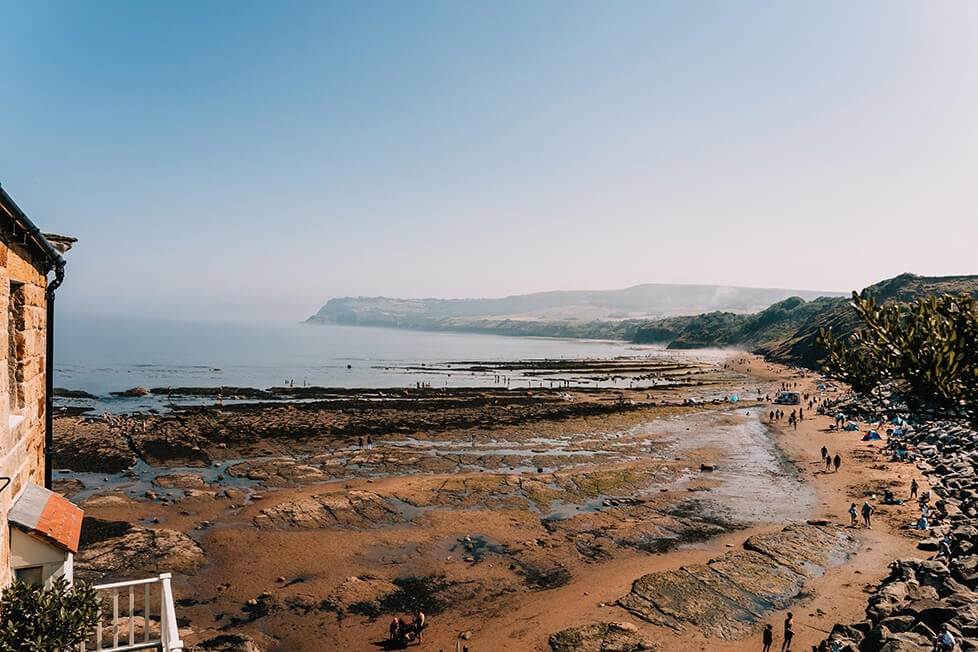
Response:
column 801, row 346
column 787, row 331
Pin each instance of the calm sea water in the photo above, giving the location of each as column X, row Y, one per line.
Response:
column 102, row 355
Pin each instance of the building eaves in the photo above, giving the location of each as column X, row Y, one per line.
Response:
column 25, row 232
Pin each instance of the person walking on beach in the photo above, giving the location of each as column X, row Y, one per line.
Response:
column 768, row 637
column 789, row 632
column 913, row 488
column 825, row 453
column 828, row 462
column 836, row 461
column 361, row 442
column 370, row 442
column 852, row 514
column 867, row 511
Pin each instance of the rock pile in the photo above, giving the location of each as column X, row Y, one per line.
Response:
column 920, row 596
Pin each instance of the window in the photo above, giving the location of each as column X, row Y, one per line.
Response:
column 33, row 575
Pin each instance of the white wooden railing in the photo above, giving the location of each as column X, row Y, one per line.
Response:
column 121, row 633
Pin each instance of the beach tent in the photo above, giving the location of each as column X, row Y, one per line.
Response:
column 734, row 399
column 899, row 421
column 898, row 432
column 852, row 425
column 872, row 434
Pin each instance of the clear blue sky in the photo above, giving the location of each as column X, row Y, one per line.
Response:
column 245, row 159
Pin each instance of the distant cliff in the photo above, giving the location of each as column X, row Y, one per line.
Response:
column 615, row 314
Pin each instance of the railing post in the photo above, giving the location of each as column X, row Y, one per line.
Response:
column 146, row 615
column 169, row 640
column 168, row 619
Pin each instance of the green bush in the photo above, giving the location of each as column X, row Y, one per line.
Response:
column 57, row 619
column 926, row 349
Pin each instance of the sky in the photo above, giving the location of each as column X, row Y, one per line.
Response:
column 248, row 160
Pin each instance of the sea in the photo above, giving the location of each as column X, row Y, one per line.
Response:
column 101, row 355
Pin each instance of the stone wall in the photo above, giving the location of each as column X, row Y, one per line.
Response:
column 23, row 335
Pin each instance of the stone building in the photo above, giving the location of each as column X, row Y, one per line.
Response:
column 39, row 530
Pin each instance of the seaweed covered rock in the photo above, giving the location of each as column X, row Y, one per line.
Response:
column 600, row 637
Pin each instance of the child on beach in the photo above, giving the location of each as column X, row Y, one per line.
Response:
column 852, row 514
column 768, row 637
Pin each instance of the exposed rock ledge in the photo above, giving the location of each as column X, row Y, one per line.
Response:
column 725, row 596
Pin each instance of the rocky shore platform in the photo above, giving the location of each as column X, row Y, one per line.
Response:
column 624, row 518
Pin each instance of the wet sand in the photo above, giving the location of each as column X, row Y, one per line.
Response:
column 509, row 532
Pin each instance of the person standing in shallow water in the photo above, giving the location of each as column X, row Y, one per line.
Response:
column 768, row 637
column 789, row 632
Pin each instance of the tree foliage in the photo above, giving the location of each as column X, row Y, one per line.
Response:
column 55, row 619
column 927, row 348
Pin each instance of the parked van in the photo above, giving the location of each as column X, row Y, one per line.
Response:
column 788, row 398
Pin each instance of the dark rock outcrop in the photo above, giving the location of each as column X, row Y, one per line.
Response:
column 115, row 550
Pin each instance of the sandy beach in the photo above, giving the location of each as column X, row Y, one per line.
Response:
column 504, row 531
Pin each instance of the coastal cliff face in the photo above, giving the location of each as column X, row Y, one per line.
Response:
column 613, row 313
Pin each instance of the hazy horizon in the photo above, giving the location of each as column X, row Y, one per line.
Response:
column 253, row 160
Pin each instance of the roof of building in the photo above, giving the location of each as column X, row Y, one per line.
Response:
column 49, row 516
column 23, row 231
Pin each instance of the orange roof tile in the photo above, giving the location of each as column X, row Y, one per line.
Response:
column 48, row 515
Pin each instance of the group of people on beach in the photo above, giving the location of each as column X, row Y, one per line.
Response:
column 789, row 634
column 403, row 631
column 831, row 461
column 867, row 513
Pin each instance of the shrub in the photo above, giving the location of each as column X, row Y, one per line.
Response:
column 55, row 619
